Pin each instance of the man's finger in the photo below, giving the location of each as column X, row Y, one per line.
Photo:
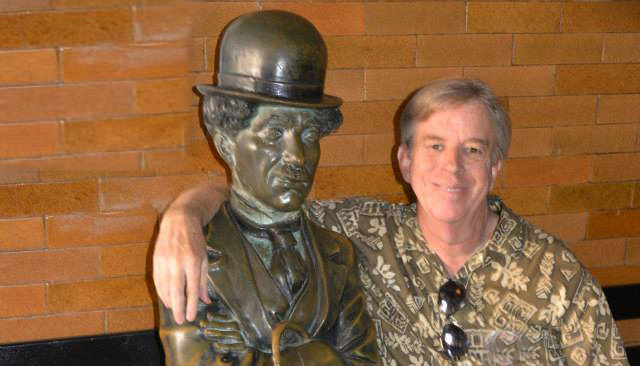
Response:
column 204, row 272
column 193, row 289
column 177, row 296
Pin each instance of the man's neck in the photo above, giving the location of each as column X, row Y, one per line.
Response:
column 257, row 213
column 455, row 242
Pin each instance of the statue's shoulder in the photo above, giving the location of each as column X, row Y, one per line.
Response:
column 334, row 246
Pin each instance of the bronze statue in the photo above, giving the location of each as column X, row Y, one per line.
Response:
column 290, row 288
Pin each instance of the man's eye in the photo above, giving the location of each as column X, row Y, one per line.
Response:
column 436, row 147
column 474, row 150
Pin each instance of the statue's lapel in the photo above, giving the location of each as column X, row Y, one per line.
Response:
column 237, row 275
column 325, row 281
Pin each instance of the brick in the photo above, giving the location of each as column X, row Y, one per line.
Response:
column 387, row 84
column 51, row 327
column 599, row 253
column 616, row 167
column 323, row 15
column 614, row 138
column 380, row 149
column 163, row 96
column 601, row 78
column 100, row 229
column 636, row 195
column 568, row 227
column 22, row 5
column 100, row 294
column 572, row 140
column 49, row 198
column 124, row 62
column 527, row 142
column 195, row 130
column 51, row 265
column 370, row 51
column 616, row 276
column 464, row 50
column 19, row 234
column 544, row 171
column 81, row 4
column 633, row 251
column 208, row 19
column 525, row 200
column 29, row 140
column 144, row 193
column 125, row 260
column 342, row 150
column 71, row 102
column 613, row 224
column 87, row 166
column 197, row 157
column 119, row 321
column 414, row 17
column 619, row 108
column 125, row 134
column 513, row 17
column 197, row 54
column 629, row 330
column 70, row 167
column 346, row 84
column 585, row 197
column 28, row 67
column 621, row 48
column 552, row 111
column 368, row 117
column 22, row 301
column 356, row 181
column 515, row 80
column 161, row 23
column 557, row 48
column 601, row 17
column 64, row 28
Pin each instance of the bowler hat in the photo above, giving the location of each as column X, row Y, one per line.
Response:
column 275, row 57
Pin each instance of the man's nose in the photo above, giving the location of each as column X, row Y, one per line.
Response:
column 293, row 152
column 453, row 160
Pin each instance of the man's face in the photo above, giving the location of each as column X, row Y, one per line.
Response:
column 276, row 157
column 449, row 166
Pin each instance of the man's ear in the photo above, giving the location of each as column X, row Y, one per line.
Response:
column 495, row 170
column 404, row 162
column 225, row 146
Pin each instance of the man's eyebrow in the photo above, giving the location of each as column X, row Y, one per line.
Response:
column 479, row 141
column 269, row 120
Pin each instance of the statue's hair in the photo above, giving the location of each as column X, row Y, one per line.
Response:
column 451, row 93
column 232, row 114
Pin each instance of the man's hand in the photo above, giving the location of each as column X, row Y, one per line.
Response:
column 180, row 250
column 180, row 255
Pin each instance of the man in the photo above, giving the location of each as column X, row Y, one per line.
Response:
column 457, row 277
column 282, row 286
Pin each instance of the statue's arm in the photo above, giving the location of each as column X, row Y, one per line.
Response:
column 179, row 255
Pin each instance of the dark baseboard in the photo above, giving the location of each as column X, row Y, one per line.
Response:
column 144, row 349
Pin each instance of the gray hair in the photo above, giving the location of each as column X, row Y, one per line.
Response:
column 446, row 93
column 232, row 114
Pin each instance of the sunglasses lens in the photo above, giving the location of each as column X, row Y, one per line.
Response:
column 454, row 341
column 450, row 297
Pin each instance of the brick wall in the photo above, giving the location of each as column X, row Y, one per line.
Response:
column 99, row 130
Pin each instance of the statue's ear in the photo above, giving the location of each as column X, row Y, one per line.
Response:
column 226, row 147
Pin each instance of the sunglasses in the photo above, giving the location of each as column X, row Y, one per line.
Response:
column 450, row 299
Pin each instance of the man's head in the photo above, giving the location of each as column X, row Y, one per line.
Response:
column 272, row 150
column 268, row 110
column 454, row 136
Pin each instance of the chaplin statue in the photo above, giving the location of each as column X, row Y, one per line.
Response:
column 287, row 289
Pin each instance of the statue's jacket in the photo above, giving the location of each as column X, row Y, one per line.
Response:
column 329, row 307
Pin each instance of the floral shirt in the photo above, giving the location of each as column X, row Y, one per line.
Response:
column 528, row 300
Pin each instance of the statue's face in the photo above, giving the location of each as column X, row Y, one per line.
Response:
column 275, row 158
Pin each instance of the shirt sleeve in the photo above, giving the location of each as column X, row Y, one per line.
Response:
column 589, row 332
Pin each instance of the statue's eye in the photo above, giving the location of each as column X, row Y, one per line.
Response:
column 273, row 133
column 311, row 135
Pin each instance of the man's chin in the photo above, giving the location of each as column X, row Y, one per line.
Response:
column 290, row 200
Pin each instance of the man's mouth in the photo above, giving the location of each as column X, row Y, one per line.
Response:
column 449, row 189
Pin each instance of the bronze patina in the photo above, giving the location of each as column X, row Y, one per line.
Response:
column 285, row 291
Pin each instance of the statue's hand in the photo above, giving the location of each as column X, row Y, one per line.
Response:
column 224, row 334
column 313, row 353
column 180, row 256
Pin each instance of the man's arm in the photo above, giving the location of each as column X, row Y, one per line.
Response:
column 180, row 249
